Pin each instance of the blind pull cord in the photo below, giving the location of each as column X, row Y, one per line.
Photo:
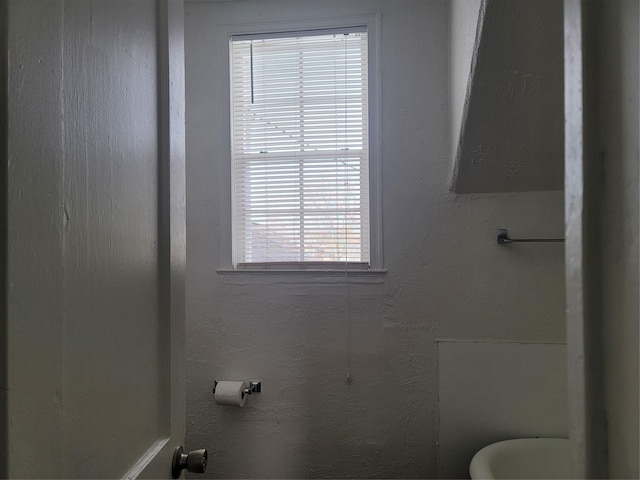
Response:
column 251, row 57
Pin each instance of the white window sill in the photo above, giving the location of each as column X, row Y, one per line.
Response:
column 308, row 275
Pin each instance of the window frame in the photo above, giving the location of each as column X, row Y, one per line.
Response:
column 372, row 24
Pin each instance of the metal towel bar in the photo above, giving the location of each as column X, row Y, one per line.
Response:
column 503, row 237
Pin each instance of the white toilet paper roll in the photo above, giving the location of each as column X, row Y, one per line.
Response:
column 231, row 393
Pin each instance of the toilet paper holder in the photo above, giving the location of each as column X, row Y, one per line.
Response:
column 254, row 387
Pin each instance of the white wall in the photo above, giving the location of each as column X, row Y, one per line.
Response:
column 512, row 390
column 447, row 277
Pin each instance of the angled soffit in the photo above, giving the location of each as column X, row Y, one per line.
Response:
column 512, row 135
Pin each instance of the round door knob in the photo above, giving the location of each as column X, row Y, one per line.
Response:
column 197, row 461
column 194, row 461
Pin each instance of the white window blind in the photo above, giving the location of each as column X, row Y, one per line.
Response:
column 300, row 160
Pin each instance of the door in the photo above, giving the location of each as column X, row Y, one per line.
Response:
column 96, row 238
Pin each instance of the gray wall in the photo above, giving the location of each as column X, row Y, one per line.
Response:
column 446, row 277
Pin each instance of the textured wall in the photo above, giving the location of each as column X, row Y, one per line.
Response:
column 299, row 334
column 512, row 125
column 511, row 390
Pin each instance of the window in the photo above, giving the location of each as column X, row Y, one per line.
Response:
column 300, row 149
